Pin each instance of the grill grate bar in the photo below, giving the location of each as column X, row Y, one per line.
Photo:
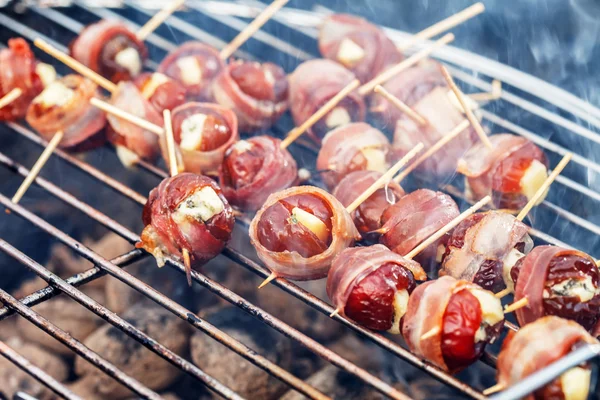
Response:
column 76, row 346
column 37, row 373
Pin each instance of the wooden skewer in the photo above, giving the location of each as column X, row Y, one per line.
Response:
column 407, row 63
column 75, row 65
column 468, row 112
column 431, row 333
column 10, row 97
column 134, row 119
column 444, row 25
column 503, row 293
column 254, row 26
column 431, row 239
column 158, row 19
column 188, row 266
column 432, row 150
column 542, row 189
column 493, row 95
column 173, row 168
column 494, row 389
column 266, row 281
column 298, row 131
column 384, row 179
column 516, row 305
column 37, row 167
column 402, row 106
column 334, row 313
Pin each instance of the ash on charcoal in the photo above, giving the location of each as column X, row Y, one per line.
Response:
column 233, row 370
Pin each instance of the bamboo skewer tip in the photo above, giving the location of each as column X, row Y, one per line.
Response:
column 503, row 293
column 334, row 313
column 158, row 19
column 516, row 305
column 267, row 280
column 431, row 333
column 494, row 389
column 187, row 262
column 9, row 97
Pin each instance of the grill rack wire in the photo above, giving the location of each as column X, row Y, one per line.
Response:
column 293, row 19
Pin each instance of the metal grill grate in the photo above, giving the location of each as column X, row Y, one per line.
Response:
column 303, row 23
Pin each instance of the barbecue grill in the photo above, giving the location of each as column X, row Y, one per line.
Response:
column 565, row 218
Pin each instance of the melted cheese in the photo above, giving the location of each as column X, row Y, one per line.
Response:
column 582, row 288
column 349, row 53
column 56, row 94
column 156, row 79
column 202, row 205
column 303, row 174
column 491, row 311
column 375, row 159
column 191, row 73
column 400, row 305
column 242, row 146
column 509, row 261
column 532, row 179
column 129, row 59
column 576, row 383
column 46, row 72
column 191, row 132
column 314, row 224
column 338, row 116
column 127, row 157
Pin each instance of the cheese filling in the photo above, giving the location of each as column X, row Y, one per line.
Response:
column 532, row 180
column 375, row 159
column 337, row 117
column 312, row 223
column 129, row 59
column 576, row 383
column 582, row 288
column 350, row 53
column 191, row 73
column 46, row 72
column 202, row 205
column 491, row 311
column 127, row 157
column 55, row 94
column 156, row 79
column 191, row 132
column 242, row 146
column 509, row 261
column 400, row 305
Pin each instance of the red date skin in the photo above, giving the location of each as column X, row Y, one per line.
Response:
column 216, row 131
column 239, row 169
column 371, row 301
column 166, row 96
column 252, row 80
column 278, row 232
column 506, row 179
column 563, row 268
column 320, row 129
column 108, row 66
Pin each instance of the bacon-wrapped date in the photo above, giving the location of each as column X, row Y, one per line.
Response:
column 312, row 85
column 352, row 147
column 511, row 172
column 484, row 247
column 414, row 218
column 538, row 345
column 254, row 169
column 109, row 48
column 371, row 285
column 449, row 322
column 367, row 217
column 64, row 105
column 299, row 231
column 195, row 65
column 424, row 89
column 161, row 91
column 20, row 70
column 561, row 282
column 257, row 93
column 203, row 132
column 190, row 212
column 358, row 45
column 131, row 141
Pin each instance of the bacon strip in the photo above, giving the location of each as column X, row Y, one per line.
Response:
column 290, row 264
column 379, row 51
column 536, row 346
column 251, row 186
column 353, row 264
column 253, row 113
column 165, row 96
column 342, row 151
column 426, row 307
